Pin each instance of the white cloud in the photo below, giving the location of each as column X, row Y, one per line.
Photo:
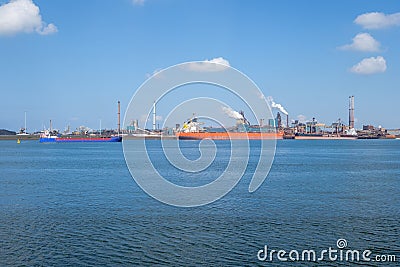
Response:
column 49, row 29
column 370, row 65
column 218, row 60
column 138, row 2
column 377, row 20
column 363, row 42
column 219, row 64
column 23, row 16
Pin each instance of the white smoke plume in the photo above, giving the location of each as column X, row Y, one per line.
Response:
column 231, row 113
column 276, row 105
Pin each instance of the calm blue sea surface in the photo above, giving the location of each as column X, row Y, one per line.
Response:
column 76, row 204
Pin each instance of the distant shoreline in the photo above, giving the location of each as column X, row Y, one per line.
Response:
column 36, row 137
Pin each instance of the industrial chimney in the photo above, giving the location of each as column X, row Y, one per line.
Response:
column 287, row 120
column 351, row 112
column 279, row 120
column 154, row 116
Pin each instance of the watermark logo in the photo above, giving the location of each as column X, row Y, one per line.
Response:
column 157, row 88
column 339, row 253
column 341, row 243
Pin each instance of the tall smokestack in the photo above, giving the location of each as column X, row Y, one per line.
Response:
column 26, row 131
column 154, row 116
column 279, row 120
column 351, row 112
column 119, row 117
column 287, row 120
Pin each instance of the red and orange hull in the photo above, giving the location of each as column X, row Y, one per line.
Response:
column 230, row 135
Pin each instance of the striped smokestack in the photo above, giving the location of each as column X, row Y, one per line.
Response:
column 154, row 116
column 351, row 112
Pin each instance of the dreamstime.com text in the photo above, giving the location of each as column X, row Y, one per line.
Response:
column 339, row 253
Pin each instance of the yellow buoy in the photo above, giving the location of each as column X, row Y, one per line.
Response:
column 18, row 141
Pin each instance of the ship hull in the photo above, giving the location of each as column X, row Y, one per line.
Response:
column 80, row 139
column 230, row 136
column 314, row 137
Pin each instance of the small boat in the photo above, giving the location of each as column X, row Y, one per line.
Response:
column 49, row 136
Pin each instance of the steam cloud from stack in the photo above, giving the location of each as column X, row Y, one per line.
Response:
column 231, row 113
column 277, row 106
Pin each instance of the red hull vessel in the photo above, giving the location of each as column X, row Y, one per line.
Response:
column 230, row 135
column 192, row 130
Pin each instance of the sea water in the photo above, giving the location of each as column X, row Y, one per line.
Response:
column 77, row 204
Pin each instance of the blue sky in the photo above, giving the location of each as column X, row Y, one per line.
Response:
column 73, row 60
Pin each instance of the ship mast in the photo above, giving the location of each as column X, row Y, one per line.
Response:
column 119, row 117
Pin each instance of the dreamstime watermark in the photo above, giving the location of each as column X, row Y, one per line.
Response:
column 339, row 253
column 159, row 86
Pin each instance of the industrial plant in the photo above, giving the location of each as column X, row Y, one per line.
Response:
column 337, row 130
column 279, row 127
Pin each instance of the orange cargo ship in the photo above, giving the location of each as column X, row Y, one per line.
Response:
column 192, row 130
column 229, row 136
